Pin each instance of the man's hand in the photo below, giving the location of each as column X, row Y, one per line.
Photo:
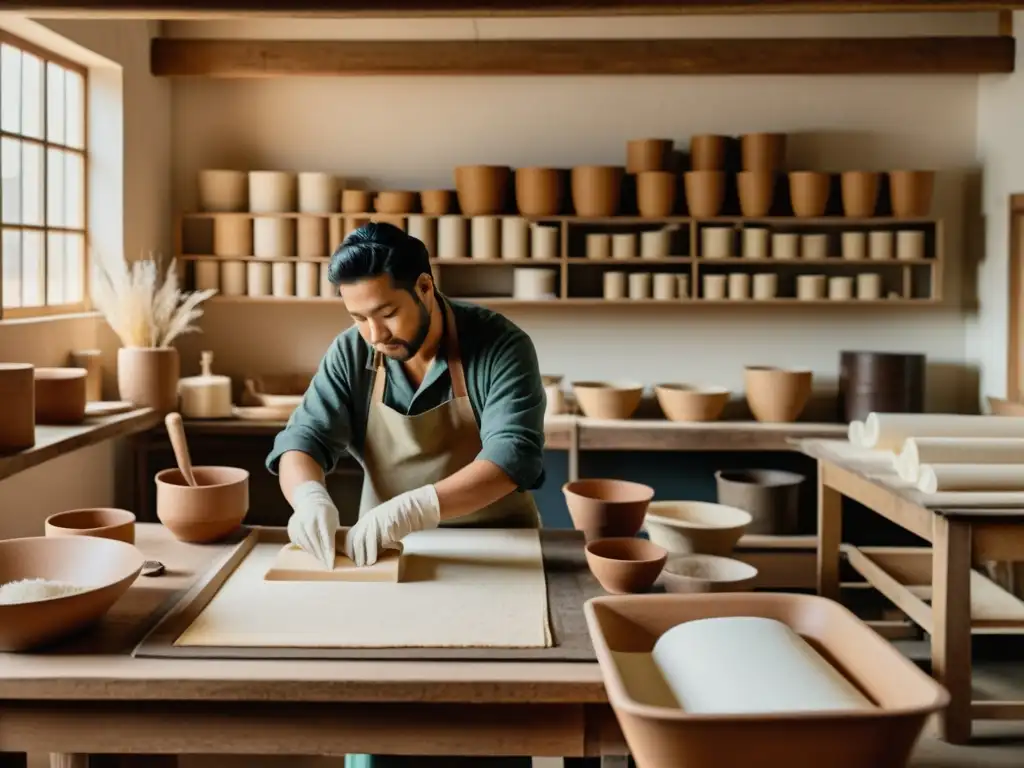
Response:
column 314, row 523
column 390, row 522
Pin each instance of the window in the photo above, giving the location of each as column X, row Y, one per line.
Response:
column 42, row 181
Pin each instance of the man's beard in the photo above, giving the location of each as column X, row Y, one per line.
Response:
column 409, row 348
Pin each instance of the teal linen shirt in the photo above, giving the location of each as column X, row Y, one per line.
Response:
column 502, row 378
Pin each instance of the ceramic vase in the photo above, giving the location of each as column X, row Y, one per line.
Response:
column 644, row 155
column 860, row 193
column 597, row 190
column 705, row 193
column 756, row 191
column 808, row 193
column 707, row 153
column 656, row 193
column 148, row 376
column 911, row 193
column 763, row 151
column 539, row 191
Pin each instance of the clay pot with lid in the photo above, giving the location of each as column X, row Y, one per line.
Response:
column 860, row 193
column 808, row 193
column 601, row 508
column 60, row 395
column 656, row 193
column 705, row 193
column 540, row 191
column 777, row 394
column 102, row 522
column 911, row 193
column 763, row 151
column 482, row 189
column 436, row 202
column 648, row 155
column 625, row 565
column 707, row 152
column 756, row 191
column 597, row 190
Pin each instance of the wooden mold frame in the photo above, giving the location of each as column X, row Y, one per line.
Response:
column 569, row 586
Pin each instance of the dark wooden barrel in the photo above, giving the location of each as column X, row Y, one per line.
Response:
column 886, row 382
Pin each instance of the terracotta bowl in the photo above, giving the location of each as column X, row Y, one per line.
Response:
column 604, row 508
column 436, row 202
column 540, row 191
column 625, row 565
column 777, row 394
column 707, row 573
column 356, row 201
column 396, row 201
column 60, row 395
column 695, row 527
column 105, row 523
column 482, row 189
column 608, row 399
column 105, row 566
column 691, row 402
column 207, row 513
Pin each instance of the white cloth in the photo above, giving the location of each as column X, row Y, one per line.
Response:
column 315, row 521
column 387, row 524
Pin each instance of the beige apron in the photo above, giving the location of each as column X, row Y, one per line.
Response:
column 402, row 452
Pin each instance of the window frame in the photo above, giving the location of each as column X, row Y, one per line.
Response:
column 49, row 310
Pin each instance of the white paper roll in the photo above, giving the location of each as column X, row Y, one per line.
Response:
column 544, row 242
column 889, row 431
column 273, row 238
column 424, row 229
column 272, row 192
column 515, row 242
column 307, row 279
column 257, row 278
column 933, row 478
column 283, row 280
column 530, row 283
column 486, row 242
column 747, row 664
column 956, row 450
column 451, row 237
column 232, row 278
column 318, row 193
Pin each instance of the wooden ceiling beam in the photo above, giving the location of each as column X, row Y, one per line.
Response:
column 176, row 57
column 177, row 9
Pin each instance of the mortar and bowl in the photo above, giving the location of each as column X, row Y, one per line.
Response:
column 199, row 505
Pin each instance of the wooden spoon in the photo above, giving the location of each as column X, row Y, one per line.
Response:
column 176, row 431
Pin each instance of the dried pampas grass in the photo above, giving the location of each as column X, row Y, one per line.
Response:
column 142, row 310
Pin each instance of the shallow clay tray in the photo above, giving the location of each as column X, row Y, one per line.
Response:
column 659, row 735
column 569, row 586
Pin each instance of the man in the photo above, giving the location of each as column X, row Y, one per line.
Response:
column 441, row 402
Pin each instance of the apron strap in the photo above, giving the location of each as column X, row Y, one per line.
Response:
column 455, row 369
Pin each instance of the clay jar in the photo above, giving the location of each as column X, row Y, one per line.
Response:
column 705, row 193
column 808, row 193
column 656, row 193
column 482, row 189
column 757, row 192
column 707, row 152
column 770, row 496
column 648, row 155
column 208, row 512
column 104, row 523
column 436, row 202
column 60, row 395
column 776, row 394
column 601, row 508
column 911, row 193
column 539, row 191
column 18, row 414
column 597, row 190
column 860, row 193
column 625, row 565
column 763, row 151
column 148, row 377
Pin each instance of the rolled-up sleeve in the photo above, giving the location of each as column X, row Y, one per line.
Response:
column 512, row 414
column 322, row 424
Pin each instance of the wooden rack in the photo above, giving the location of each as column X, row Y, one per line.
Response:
column 905, row 282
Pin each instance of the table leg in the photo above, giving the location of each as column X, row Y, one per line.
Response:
column 951, row 624
column 830, row 528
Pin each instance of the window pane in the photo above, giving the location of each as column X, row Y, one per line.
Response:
column 11, row 255
column 32, row 184
column 10, row 88
column 55, row 103
column 55, row 188
column 31, row 96
column 10, row 174
column 54, row 268
column 32, row 293
column 74, row 131
column 74, row 190
column 74, row 268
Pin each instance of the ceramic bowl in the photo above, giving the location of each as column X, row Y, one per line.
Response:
column 777, row 394
column 105, row 566
column 695, row 527
column 208, row 512
column 607, row 508
column 691, row 402
column 105, row 523
column 625, row 565
column 707, row 573
column 608, row 399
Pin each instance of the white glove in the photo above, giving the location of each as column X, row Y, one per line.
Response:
column 315, row 521
column 388, row 523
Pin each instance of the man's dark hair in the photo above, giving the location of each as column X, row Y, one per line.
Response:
column 377, row 249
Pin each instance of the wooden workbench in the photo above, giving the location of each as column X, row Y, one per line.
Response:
column 936, row 587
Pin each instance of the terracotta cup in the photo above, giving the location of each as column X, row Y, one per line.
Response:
column 911, row 193
column 763, row 151
column 356, row 201
column 625, row 565
column 436, row 202
column 860, row 193
column 539, row 191
column 104, row 523
column 597, row 190
column 757, row 192
column 656, row 193
column 777, row 394
column 808, row 193
column 705, row 193
column 482, row 189
column 396, row 201
column 648, row 155
column 707, row 152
